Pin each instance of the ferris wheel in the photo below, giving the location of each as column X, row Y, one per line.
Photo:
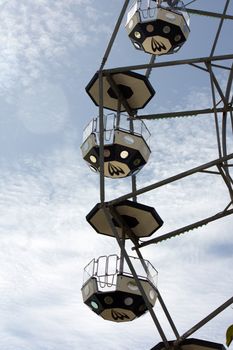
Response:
column 115, row 145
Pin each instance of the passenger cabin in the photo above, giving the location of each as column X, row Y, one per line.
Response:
column 158, row 27
column 110, row 290
column 126, row 148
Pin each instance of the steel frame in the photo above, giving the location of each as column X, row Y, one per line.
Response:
column 222, row 164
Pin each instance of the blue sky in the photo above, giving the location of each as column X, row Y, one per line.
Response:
column 49, row 50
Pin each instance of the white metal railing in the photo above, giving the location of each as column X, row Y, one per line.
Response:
column 113, row 122
column 106, row 269
column 148, row 9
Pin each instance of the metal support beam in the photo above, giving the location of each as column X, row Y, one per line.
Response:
column 138, row 283
column 227, row 179
column 160, row 299
column 205, row 320
column 114, row 34
column 179, row 114
column 209, row 14
column 119, row 95
column 211, row 74
column 165, row 310
column 148, row 71
column 224, row 119
column 219, row 27
column 134, row 239
column 134, row 187
column 126, row 229
column 185, row 228
column 169, row 63
column 101, row 138
column 173, row 178
column 214, row 82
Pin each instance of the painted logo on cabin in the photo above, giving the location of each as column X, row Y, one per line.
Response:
column 116, row 315
column 115, row 170
column 157, row 46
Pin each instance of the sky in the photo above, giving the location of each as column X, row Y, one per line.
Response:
column 49, row 51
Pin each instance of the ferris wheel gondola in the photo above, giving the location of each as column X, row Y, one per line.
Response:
column 110, row 290
column 126, row 148
column 158, row 27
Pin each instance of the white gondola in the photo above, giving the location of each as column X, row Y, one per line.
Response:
column 126, row 149
column 158, row 26
column 110, row 290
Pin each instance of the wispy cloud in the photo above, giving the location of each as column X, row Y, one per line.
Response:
column 45, row 241
column 36, row 34
column 43, row 109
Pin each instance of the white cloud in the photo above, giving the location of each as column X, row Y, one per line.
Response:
column 37, row 33
column 43, row 109
column 45, row 241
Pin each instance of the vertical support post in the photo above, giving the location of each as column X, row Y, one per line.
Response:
column 224, row 119
column 224, row 126
column 208, row 65
column 133, row 177
column 114, row 34
column 134, row 187
column 227, row 179
column 165, row 310
column 149, row 69
column 101, row 138
column 140, row 287
column 118, row 116
column 219, row 28
column 122, row 254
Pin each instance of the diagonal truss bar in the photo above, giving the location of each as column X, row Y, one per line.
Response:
column 114, row 34
column 224, row 129
column 118, row 218
column 173, row 178
column 212, row 64
column 214, row 82
column 167, row 314
column 190, row 113
column 186, row 228
column 211, row 74
column 227, row 102
column 131, row 267
column 227, row 179
column 209, row 13
column 165, row 310
column 119, row 95
column 205, row 320
column 221, row 66
column 127, row 230
column 101, row 109
column 219, row 28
